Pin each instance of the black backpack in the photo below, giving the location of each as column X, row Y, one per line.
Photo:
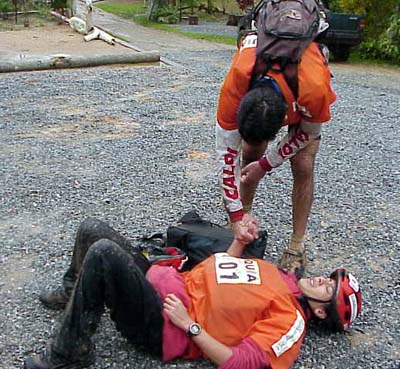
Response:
column 285, row 28
column 195, row 239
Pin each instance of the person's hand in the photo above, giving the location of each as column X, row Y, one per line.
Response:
column 247, row 231
column 252, row 224
column 177, row 312
column 252, row 174
column 243, row 232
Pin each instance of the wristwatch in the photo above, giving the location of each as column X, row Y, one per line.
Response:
column 193, row 330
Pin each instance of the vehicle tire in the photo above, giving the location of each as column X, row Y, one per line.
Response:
column 341, row 53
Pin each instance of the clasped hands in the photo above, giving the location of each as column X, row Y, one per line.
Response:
column 246, row 230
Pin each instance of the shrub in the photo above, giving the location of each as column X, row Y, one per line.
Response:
column 6, row 6
column 387, row 45
column 168, row 14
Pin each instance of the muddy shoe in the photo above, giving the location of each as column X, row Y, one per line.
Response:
column 294, row 258
column 293, row 261
column 56, row 300
column 49, row 360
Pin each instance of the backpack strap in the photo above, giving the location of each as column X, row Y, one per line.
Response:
column 285, row 66
column 265, row 80
column 292, row 78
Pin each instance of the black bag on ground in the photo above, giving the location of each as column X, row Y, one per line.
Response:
column 199, row 239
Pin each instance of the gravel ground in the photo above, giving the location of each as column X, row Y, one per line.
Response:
column 135, row 146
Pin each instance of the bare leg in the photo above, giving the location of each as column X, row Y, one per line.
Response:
column 303, row 187
column 294, row 257
column 250, row 153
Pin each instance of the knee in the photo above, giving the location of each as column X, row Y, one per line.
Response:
column 303, row 166
column 89, row 225
column 102, row 247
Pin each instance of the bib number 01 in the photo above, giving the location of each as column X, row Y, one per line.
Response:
column 233, row 270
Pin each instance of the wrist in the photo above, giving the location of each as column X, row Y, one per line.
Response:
column 194, row 329
column 264, row 164
column 236, row 216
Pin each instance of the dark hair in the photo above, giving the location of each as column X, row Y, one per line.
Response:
column 261, row 113
column 332, row 321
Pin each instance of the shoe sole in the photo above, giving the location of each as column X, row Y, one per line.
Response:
column 53, row 306
column 29, row 363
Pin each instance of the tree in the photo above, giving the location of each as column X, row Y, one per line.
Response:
column 382, row 33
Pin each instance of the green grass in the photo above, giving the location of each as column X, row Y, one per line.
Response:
column 124, row 10
column 136, row 12
column 198, row 36
column 356, row 58
column 36, row 20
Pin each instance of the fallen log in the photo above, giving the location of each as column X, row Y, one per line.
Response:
column 68, row 61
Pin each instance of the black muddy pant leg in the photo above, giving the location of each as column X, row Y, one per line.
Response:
column 90, row 231
column 110, row 277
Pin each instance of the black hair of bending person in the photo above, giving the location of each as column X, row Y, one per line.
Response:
column 261, row 113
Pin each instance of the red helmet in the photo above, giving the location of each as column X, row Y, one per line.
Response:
column 346, row 301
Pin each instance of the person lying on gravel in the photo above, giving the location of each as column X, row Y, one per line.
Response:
column 253, row 107
column 239, row 313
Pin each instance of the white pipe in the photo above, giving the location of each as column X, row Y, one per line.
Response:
column 80, row 26
column 58, row 15
column 97, row 33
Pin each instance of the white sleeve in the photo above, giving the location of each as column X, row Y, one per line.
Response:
column 292, row 143
column 228, row 149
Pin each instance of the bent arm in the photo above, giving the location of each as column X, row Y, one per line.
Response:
column 294, row 141
column 216, row 351
column 176, row 311
column 246, row 355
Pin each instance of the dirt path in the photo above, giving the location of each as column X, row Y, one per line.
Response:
column 50, row 38
column 152, row 39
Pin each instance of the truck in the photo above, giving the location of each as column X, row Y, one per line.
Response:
column 345, row 31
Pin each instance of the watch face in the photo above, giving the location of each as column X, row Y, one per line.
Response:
column 194, row 330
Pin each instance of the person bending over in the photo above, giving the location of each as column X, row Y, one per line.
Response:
column 254, row 105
